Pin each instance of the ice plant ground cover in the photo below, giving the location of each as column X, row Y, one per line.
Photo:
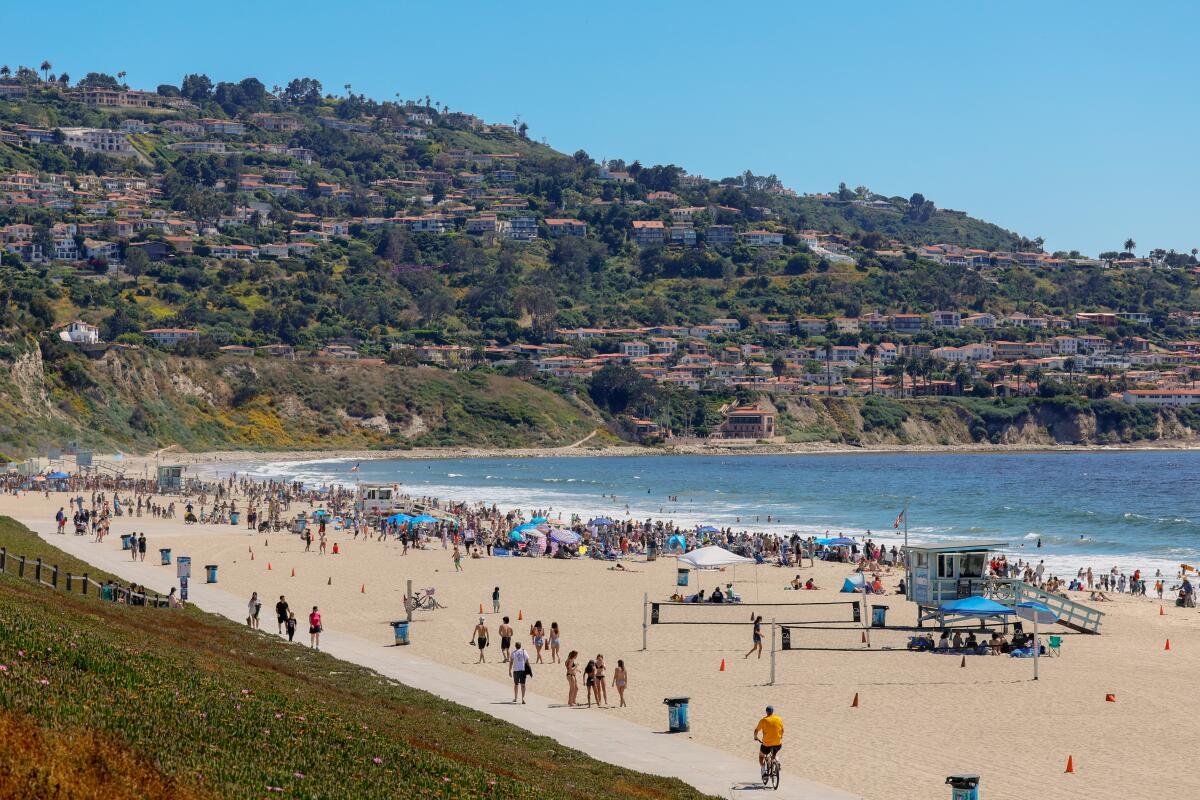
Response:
column 107, row 700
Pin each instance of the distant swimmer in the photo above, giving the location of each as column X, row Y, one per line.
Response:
column 1039, row 541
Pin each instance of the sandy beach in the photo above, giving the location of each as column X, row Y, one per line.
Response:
column 920, row 716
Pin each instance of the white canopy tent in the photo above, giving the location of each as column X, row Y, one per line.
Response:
column 713, row 557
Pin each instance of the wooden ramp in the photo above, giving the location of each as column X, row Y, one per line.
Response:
column 1071, row 614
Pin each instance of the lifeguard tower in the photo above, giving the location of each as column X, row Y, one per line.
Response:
column 940, row 573
column 170, row 478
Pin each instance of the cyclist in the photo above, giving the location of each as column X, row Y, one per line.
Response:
column 769, row 735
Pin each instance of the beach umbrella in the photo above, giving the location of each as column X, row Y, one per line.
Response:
column 677, row 541
column 58, row 476
column 526, row 526
column 398, row 518
column 601, row 521
column 538, row 520
column 713, row 557
column 840, row 541
column 320, row 512
column 1038, row 614
column 708, row 529
column 423, row 518
column 565, row 537
column 516, row 536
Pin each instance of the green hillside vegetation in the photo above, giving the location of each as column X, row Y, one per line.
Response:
column 104, row 700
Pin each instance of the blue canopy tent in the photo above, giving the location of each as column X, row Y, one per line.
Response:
column 677, row 542
column 856, row 582
column 398, row 519
column 57, row 476
column 974, row 606
column 707, row 529
column 423, row 518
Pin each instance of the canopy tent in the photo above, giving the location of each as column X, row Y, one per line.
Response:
column 975, row 607
column 856, row 582
column 707, row 529
column 398, row 519
column 58, row 476
column 713, row 557
column 423, row 518
column 840, row 541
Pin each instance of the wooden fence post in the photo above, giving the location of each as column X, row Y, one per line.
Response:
column 54, row 577
column 21, row 567
column 85, row 583
column 70, row 587
column 3, row 558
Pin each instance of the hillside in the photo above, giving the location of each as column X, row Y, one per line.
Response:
column 98, row 702
column 137, row 399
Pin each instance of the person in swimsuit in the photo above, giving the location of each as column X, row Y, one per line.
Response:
column 601, row 686
column 757, row 638
column 589, row 680
column 480, row 636
column 555, row 658
column 620, row 679
column 538, row 633
column 314, row 629
column 572, row 677
column 506, row 633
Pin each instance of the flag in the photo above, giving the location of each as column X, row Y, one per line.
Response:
column 899, row 519
column 355, row 467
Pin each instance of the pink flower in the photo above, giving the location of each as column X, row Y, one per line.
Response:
column 3, row 668
column 43, row 682
column 245, row 691
column 274, row 788
column 204, row 715
column 21, row 653
column 297, row 774
column 301, row 719
column 279, row 716
column 377, row 760
column 445, row 779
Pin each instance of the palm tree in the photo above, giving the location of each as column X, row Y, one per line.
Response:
column 960, row 375
column 5, row 71
column 1018, row 369
column 872, row 352
column 1129, row 245
column 897, row 370
column 913, row 368
column 1069, row 365
column 46, row 66
column 121, row 77
column 347, row 88
column 828, row 350
column 1035, row 378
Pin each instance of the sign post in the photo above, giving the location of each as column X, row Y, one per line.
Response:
column 772, row 651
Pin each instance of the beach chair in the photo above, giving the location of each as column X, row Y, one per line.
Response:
column 1055, row 648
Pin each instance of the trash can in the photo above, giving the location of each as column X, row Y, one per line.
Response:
column 677, row 714
column 879, row 616
column 682, row 578
column 233, row 517
column 165, row 554
column 125, row 539
column 400, row 628
column 963, row 787
column 211, row 573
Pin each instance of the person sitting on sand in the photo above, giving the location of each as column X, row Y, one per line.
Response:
column 810, row 584
column 1098, row 596
column 996, row 643
column 972, row 642
column 944, row 641
column 717, row 596
column 958, row 640
column 798, row 582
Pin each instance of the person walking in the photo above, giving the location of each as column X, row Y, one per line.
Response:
column 620, row 680
column 456, row 556
column 141, row 546
column 539, row 638
column 281, row 613
column 555, row 641
column 756, row 638
column 506, row 634
column 480, row 637
column 290, row 625
column 519, row 669
column 314, row 629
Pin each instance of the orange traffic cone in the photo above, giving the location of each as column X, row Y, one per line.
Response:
column 251, row 555
column 854, row 702
column 1168, row 647
column 963, row 665
column 264, row 542
column 864, row 637
column 1160, row 611
column 722, row 669
column 330, row 581
column 520, row 615
column 481, row 608
column 363, row 590
column 293, row 572
column 268, row 566
column 1070, row 764
column 1110, row 698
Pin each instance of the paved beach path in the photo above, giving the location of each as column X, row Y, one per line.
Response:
column 601, row 736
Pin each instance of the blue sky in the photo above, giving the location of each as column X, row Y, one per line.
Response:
column 1069, row 120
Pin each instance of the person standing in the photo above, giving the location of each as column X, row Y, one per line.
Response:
column 539, row 638
column 456, row 556
column 601, row 684
column 506, row 633
column 314, row 629
column 253, row 607
column 555, row 642
column 496, row 601
column 519, row 669
column 281, row 613
column 572, row 667
column 61, row 519
column 290, row 626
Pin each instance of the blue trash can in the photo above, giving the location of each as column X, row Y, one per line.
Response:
column 233, row 517
column 165, row 554
column 400, row 628
column 125, row 537
column 211, row 570
column 963, row 787
column 879, row 616
column 682, row 578
column 677, row 714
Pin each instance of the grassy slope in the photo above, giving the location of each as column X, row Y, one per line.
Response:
column 143, row 399
column 195, row 706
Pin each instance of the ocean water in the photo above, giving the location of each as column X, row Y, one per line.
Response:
column 1101, row 509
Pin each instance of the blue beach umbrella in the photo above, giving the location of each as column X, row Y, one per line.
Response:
column 840, row 541
column 708, row 529
column 538, row 520
column 601, row 521
column 423, row 518
column 565, row 537
column 58, row 476
column 398, row 518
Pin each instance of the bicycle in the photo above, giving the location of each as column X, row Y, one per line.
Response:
column 770, row 772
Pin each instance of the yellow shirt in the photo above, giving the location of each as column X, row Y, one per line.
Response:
column 771, row 729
